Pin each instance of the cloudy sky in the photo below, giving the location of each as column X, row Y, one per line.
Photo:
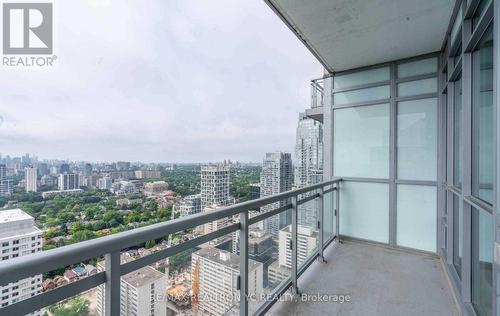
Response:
column 176, row 80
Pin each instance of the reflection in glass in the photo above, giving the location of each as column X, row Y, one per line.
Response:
column 482, row 120
column 482, row 258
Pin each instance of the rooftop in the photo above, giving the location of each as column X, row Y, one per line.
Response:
column 226, row 258
column 14, row 215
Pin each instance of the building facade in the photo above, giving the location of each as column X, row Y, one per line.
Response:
column 19, row 237
column 215, row 185
column 214, row 275
column 69, row 181
column 276, row 177
column 31, row 176
column 308, row 164
column 142, row 292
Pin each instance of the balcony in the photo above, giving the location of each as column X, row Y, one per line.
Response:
column 394, row 281
column 317, row 100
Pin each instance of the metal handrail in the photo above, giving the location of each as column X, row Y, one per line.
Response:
column 110, row 246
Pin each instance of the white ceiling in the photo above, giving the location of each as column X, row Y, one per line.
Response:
column 347, row 34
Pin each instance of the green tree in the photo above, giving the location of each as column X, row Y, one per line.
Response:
column 75, row 307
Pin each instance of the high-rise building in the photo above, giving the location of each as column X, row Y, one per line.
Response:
column 276, row 177
column 215, row 185
column 104, row 183
column 216, row 224
column 139, row 291
column 261, row 248
column 69, row 181
column 123, row 165
column 64, row 167
column 189, row 205
column 31, row 178
column 308, row 165
column 306, row 244
column 43, row 168
column 214, row 275
column 5, row 182
column 87, row 171
column 19, row 237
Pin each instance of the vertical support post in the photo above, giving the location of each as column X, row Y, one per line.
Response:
column 337, row 212
column 112, row 286
column 392, row 160
column 295, row 287
column 321, row 219
column 243, row 263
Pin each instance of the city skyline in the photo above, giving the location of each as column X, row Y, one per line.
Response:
column 204, row 83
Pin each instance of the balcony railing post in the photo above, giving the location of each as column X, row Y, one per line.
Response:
column 112, row 286
column 337, row 212
column 295, row 287
column 321, row 219
column 243, row 234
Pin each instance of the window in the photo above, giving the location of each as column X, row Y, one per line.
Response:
column 362, row 95
column 418, row 67
column 416, row 87
column 483, row 120
column 457, row 130
column 416, row 218
column 417, row 139
column 482, row 258
column 361, row 78
column 361, row 141
column 365, row 210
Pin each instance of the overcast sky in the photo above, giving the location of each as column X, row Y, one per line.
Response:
column 160, row 81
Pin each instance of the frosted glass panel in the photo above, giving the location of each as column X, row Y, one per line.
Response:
column 418, row 67
column 362, row 77
column 417, row 139
column 364, row 210
column 416, row 217
column 361, row 141
column 363, row 95
column 417, row 87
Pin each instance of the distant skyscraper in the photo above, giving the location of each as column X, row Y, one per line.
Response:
column 43, row 169
column 64, row 168
column 31, row 177
column 5, row 182
column 87, row 170
column 215, row 185
column 69, row 181
column 308, row 167
column 122, row 165
column 19, row 237
column 276, row 177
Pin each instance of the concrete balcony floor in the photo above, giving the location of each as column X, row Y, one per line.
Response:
column 380, row 281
